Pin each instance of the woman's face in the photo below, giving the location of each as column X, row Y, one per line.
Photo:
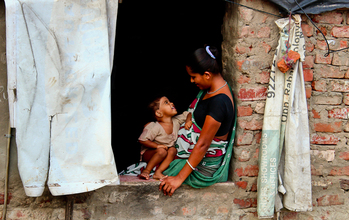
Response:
column 201, row 81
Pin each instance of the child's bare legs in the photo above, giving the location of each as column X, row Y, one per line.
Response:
column 171, row 153
column 152, row 157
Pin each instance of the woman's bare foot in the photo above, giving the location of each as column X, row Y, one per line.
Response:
column 158, row 175
column 144, row 175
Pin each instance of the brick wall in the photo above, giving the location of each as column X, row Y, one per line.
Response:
column 251, row 40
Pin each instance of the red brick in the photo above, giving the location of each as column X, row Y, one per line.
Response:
column 340, row 31
column 316, row 171
column 333, row 44
column 308, row 75
column 245, row 65
column 244, row 156
column 347, row 75
column 340, row 86
column 289, row 216
column 249, row 170
column 258, row 137
column 244, row 79
column 309, row 47
column 339, row 113
column 252, row 125
column 324, row 139
column 239, row 64
column 333, row 127
column 320, row 58
column 241, row 184
column 308, row 62
column 316, row 114
column 308, row 91
column 246, row 203
column 329, row 200
column 339, row 171
column 346, row 99
column 242, row 50
column 254, row 187
column 323, row 30
column 251, row 94
column 256, row 154
column 247, row 31
column 246, row 14
column 266, row 47
column 328, row 18
column 329, row 72
column 264, row 32
column 344, row 155
column 328, row 99
column 307, row 30
column 244, row 110
column 340, row 59
column 320, row 85
column 2, row 198
column 263, row 77
column 245, row 138
column 321, row 45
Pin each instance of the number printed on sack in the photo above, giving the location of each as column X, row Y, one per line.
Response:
column 271, row 86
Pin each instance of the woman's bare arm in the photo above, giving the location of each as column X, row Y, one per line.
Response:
column 208, row 132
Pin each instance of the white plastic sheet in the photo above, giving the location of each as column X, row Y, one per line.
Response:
column 60, row 56
column 285, row 126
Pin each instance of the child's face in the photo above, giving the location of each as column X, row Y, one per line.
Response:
column 166, row 107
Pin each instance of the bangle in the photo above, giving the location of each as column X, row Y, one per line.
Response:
column 191, row 166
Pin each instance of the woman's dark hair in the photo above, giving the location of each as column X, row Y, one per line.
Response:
column 201, row 60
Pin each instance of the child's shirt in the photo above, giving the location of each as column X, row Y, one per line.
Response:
column 156, row 133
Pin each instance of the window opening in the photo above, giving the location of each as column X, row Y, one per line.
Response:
column 152, row 40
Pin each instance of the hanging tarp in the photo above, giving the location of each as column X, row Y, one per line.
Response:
column 310, row 6
column 59, row 56
column 285, row 127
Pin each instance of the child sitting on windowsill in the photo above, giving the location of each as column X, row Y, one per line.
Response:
column 158, row 137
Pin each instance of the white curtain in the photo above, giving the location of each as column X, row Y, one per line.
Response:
column 60, row 55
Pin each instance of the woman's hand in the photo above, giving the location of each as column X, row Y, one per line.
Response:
column 169, row 184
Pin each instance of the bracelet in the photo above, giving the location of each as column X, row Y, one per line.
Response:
column 191, row 166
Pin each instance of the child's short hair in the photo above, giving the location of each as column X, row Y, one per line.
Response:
column 154, row 106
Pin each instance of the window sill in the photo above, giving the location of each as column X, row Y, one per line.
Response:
column 135, row 181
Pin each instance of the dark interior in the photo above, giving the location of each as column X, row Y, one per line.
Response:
column 153, row 38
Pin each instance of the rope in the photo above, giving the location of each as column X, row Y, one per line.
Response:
column 253, row 8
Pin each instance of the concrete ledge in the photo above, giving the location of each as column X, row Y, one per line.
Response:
column 141, row 199
column 135, row 181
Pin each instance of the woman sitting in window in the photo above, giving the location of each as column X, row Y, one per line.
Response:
column 204, row 151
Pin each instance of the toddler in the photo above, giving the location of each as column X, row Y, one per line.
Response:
column 158, row 137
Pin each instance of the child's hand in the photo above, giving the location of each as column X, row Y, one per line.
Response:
column 162, row 146
column 188, row 124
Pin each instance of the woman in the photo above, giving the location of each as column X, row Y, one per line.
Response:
column 204, row 151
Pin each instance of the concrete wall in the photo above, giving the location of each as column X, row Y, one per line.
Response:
column 250, row 39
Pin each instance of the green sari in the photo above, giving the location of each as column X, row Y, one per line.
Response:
column 214, row 167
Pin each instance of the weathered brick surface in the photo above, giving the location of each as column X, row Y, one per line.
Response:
column 327, row 92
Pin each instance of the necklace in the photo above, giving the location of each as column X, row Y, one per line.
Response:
column 217, row 89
